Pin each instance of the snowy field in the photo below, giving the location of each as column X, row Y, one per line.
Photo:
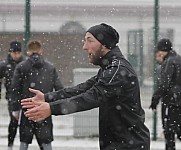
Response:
column 64, row 130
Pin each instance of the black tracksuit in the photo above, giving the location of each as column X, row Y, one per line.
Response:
column 115, row 90
column 39, row 74
column 7, row 67
column 169, row 92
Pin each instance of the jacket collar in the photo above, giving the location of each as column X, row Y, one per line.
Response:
column 170, row 54
column 36, row 60
column 110, row 56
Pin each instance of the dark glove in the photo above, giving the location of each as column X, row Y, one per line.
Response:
column 154, row 103
column 153, row 106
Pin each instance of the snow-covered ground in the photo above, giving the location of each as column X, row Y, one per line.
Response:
column 64, row 130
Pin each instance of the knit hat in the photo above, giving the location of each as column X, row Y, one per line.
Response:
column 164, row 45
column 105, row 34
column 15, row 46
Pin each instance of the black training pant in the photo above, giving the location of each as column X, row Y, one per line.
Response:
column 171, row 120
column 12, row 128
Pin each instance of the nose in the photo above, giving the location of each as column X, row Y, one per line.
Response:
column 85, row 47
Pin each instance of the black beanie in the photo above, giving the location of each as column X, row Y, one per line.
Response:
column 164, row 45
column 15, row 46
column 105, row 34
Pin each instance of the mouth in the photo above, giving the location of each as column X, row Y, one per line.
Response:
column 90, row 55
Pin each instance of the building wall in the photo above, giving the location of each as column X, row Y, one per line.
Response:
column 124, row 15
column 64, row 51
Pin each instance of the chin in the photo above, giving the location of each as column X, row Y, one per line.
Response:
column 95, row 63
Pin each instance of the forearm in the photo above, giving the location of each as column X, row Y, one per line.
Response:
column 158, row 94
column 74, row 104
column 69, row 92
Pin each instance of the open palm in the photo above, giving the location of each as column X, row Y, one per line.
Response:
column 30, row 102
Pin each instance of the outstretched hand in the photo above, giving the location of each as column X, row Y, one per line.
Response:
column 40, row 111
column 30, row 102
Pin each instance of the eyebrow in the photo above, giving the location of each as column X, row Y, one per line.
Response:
column 87, row 38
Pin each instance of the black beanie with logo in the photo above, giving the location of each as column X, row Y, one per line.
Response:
column 164, row 45
column 105, row 34
column 15, row 46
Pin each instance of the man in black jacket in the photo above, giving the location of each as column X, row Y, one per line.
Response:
column 115, row 90
column 35, row 72
column 169, row 92
column 7, row 67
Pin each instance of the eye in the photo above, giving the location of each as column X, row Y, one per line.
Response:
column 90, row 40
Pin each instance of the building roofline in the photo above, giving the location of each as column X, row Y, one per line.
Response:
column 140, row 11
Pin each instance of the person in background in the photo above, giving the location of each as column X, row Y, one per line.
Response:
column 7, row 68
column 35, row 72
column 115, row 90
column 168, row 92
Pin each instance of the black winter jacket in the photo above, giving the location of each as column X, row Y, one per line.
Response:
column 115, row 90
column 39, row 74
column 7, row 68
column 169, row 85
column 35, row 73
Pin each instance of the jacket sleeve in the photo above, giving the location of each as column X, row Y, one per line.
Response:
column 16, row 89
column 57, row 82
column 2, row 71
column 69, row 92
column 109, row 85
column 164, row 83
column 0, row 87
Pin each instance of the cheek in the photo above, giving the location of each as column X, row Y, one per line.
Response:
column 93, row 49
column 17, row 56
column 97, row 47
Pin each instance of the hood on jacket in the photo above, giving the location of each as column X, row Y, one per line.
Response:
column 36, row 60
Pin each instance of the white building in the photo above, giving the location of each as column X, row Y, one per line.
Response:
column 124, row 15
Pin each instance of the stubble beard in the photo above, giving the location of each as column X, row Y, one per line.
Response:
column 95, row 58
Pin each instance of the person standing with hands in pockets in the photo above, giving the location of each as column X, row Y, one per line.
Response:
column 115, row 90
